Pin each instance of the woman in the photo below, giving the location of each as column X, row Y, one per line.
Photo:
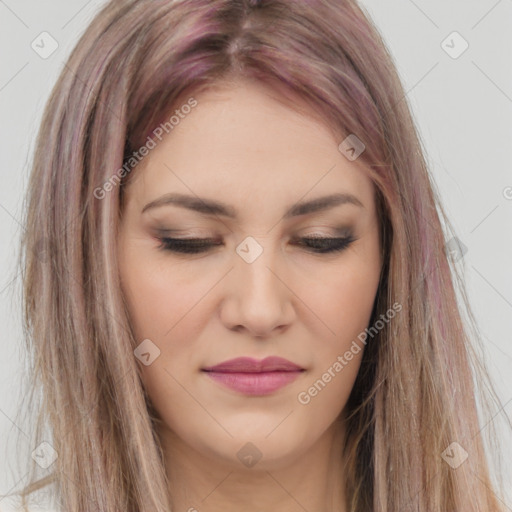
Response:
column 237, row 289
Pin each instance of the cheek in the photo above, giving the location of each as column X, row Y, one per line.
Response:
column 342, row 295
column 165, row 307
column 160, row 297
column 345, row 305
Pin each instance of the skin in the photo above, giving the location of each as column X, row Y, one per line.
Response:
column 242, row 146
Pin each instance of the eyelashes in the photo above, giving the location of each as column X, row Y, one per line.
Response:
column 187, row 245
column 323, row 245
column 319, row 245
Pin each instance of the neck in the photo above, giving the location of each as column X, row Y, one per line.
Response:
column 311, row 480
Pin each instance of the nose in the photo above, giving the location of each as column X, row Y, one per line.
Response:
column 257, row 298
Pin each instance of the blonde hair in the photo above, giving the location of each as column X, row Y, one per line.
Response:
column 414, row 394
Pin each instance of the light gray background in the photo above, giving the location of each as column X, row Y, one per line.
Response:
column 463, row 108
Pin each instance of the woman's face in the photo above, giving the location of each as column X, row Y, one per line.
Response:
column 256, row 288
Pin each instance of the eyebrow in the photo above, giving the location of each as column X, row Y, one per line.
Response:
column 207, row 206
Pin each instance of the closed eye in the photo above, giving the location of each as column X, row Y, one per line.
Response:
column 319, row 245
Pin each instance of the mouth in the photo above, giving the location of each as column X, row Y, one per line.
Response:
column 252, row 377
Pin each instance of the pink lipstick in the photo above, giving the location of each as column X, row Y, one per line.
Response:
column 252, row 377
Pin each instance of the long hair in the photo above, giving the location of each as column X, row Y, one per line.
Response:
column 416, row 393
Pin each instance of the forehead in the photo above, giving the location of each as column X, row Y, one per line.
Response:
column 245, row 143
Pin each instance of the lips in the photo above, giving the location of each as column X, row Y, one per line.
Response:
column 252, row 377
column 249, row 365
